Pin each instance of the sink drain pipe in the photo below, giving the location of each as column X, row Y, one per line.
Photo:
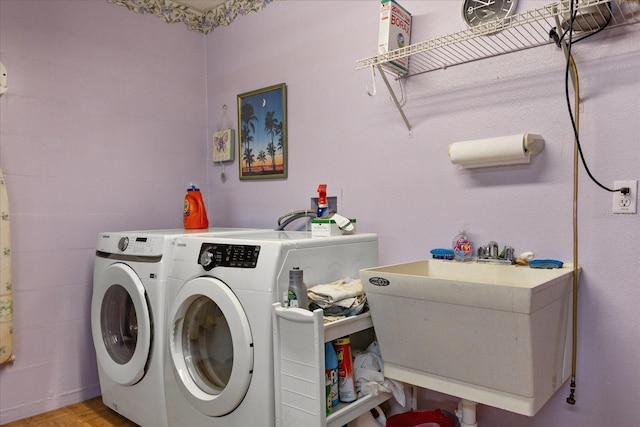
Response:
column 466, row 413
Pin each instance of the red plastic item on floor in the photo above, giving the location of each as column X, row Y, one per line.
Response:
column 421, row 419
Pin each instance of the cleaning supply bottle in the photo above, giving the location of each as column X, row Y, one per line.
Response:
column 323, row 206
column 346, row 379
column 327, row 381
column 297, row 293
column 331, row 372
column 461, row 246
column 194, row 215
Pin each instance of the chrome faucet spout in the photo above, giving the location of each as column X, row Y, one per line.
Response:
column 491, row 251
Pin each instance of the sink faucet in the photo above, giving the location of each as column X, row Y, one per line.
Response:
column 491, row 251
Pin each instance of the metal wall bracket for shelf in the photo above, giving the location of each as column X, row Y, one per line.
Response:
column 393, row 96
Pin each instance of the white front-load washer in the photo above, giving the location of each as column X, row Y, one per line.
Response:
column 128, row 319
column 220, row 369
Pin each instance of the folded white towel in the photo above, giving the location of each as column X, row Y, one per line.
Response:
column 330, row 293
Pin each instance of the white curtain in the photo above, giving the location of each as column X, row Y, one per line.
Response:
column 6, row 299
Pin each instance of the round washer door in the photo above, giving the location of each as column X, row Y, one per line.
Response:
column 121, row 324
column 211, row 346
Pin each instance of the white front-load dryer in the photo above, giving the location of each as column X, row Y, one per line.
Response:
column 128, row 319
column 221, row 290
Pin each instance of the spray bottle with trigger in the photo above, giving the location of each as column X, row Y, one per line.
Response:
column 323, row 206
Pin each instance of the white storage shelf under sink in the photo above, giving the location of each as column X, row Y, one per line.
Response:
column 300, row 388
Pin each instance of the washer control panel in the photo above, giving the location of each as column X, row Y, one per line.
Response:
column 137, row 245
column 225, row 255
column 123, row 246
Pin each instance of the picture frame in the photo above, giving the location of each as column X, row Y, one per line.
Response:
column 262, row 133
column 223, row 145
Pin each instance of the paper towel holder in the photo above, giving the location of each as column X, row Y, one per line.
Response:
column 497, row 151
column 533, row 143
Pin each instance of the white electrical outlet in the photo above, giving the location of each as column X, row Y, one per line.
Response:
column 625, row 203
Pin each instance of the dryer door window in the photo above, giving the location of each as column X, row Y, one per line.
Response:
column 211, row 346
column 208, row 343
column 121, row 324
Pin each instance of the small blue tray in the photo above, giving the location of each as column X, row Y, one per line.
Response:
column 442, row 253
column 545, row 263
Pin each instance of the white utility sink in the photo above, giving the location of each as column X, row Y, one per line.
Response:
column 493, row 334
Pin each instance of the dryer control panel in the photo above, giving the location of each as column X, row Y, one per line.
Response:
column 137, row 248
column 225, row 255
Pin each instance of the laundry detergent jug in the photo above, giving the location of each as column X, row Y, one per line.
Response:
column 194, row 213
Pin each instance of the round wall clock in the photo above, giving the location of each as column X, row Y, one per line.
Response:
column 476, row 12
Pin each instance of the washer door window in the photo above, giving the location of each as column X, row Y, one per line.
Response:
column 121, row 324
column 211, row 346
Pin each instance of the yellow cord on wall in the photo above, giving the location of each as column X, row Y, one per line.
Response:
column 574, row 341
column 576, row 269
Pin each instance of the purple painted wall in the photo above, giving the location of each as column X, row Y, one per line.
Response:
column 405, row 189
column 109, row 115
column 102, row 128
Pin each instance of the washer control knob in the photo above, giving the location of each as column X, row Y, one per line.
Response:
column 123, row 243
column 206, row 260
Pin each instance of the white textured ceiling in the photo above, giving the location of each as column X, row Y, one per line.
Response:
column 201, row 5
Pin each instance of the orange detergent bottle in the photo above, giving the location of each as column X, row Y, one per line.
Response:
column 194, row 213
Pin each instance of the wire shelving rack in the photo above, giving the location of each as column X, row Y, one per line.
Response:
column 514, row 33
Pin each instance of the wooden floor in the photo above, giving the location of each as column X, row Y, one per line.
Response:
column 91, row 413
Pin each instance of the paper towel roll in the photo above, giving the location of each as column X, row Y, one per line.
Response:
column 504, row 150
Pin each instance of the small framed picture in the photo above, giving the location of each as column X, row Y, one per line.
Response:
column 262, row 141
column 223, row 142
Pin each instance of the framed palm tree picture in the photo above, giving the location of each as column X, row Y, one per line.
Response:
column 262, row 120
